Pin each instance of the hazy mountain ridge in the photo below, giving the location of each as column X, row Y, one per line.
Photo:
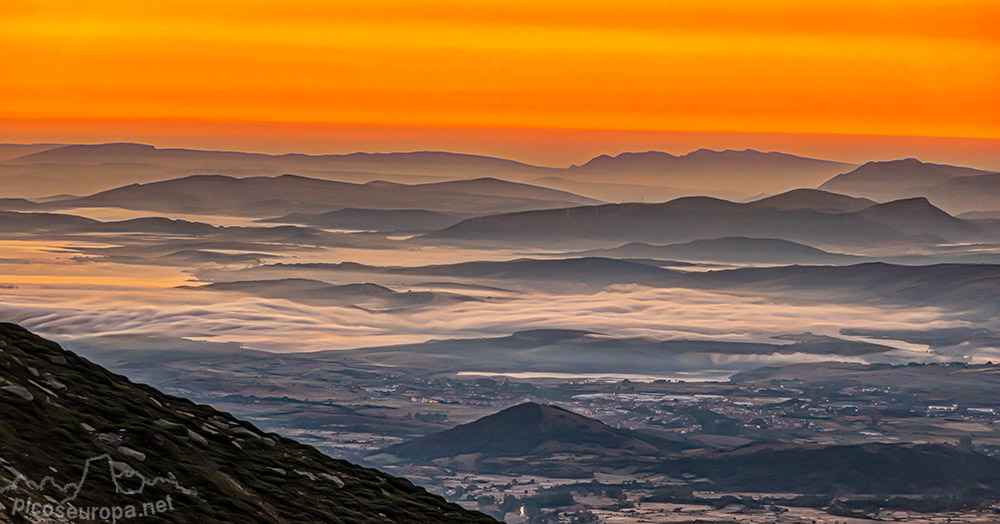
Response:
column 954, row 188
column 257, row 196
column 694, row 218
column 57, row 169
column 713, row 170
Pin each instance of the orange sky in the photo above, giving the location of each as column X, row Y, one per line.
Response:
column 490, row 71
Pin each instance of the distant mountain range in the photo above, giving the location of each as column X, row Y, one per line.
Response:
column 61, row 411
column 34, row 171
column 49, row 169
column 749, row 171
column 84, row 169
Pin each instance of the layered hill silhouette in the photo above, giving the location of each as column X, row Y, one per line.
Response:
column 694, row 218
column 84, row 169
column 956, row 189
column 49, row 169
column 271, row 196
column 60, row 411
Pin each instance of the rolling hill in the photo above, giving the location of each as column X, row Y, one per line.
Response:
column 531, row 429
column 816, row 200
column 917, row 216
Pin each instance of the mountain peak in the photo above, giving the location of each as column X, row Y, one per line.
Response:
column 526, row 429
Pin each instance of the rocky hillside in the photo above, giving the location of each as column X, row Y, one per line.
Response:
column 102, row 441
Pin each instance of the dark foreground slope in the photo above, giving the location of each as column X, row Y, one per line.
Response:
column 60, row 410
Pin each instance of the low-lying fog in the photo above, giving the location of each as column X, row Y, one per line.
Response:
column 47, row 289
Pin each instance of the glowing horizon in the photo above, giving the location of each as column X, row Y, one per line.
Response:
column 548, row 71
